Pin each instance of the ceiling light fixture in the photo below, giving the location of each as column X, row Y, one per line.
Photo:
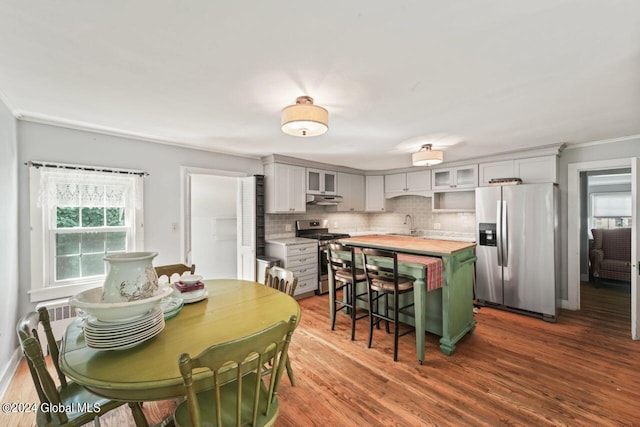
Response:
column 426, row 156
column 304, row 118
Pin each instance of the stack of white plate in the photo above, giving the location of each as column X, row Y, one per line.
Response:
column 192, row 296
column 102, row 335
column 171, row 306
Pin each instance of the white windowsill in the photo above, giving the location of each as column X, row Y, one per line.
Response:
column 56, row 292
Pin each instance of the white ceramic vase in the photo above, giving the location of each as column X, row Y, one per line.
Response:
column 130, row 277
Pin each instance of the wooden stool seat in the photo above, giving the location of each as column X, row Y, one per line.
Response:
column 346, row 276
column 383, row 282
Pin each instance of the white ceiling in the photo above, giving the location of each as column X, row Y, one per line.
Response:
column 476, row 77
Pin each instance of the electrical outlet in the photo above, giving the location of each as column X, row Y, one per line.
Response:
column 287, row 227
column 436, row 226
column 335, row 224
column 174, row 226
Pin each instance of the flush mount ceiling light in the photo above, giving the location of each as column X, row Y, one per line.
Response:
column 304, row 118
column 426, row 156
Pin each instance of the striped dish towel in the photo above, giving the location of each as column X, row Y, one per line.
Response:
column 434, row 268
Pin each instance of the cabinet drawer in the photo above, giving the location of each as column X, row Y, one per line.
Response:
column 294, row 261
column 304, row 270
column 301, row 249
column 306, row 284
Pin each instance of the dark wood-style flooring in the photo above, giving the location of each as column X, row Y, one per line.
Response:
column 513, row 370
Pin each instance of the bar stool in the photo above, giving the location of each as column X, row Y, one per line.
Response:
column 345, row 277
column 383, row 281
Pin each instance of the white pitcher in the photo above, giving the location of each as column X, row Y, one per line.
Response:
column 130, row 277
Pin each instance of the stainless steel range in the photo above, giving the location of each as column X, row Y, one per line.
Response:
column 318, row 229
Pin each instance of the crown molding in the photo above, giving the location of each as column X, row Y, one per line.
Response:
column 110, row 131
column 601, row 142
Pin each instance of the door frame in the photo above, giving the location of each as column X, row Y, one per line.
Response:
column 573, row 227
column 185, row 203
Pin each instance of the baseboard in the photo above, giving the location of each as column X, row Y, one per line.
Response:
column 584, row 277
column 9, row 372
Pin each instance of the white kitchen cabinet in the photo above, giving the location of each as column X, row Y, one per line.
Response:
column 321, row 182
column 351, row 188
column 455, row 178
column 530, row 170
column 285, row 188
column 410, row 183
column 536, row 169
column 495, row 170
column 302, row 260
column 374, row 194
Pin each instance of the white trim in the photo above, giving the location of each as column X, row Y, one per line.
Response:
column 635, row 249
column 573, row 227
column 41, row 288
column 185, row 208
column 9, row 372
column 603, row 141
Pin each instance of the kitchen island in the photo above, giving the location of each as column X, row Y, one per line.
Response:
column 448, row 311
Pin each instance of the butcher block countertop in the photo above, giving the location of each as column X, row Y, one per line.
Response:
column 408, row 244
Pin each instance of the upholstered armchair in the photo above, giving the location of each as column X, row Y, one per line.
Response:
column 610, row 254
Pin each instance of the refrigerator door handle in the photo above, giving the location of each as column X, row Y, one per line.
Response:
column 505, row 236
column 499, row 232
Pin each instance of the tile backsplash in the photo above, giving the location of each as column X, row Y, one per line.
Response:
column 348, row 222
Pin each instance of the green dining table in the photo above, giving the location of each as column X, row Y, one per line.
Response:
column 149, row 371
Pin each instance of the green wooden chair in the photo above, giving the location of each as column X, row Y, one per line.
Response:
column 171, row 269
column 243, row 393
column 83, row 405
column 283, row 280
column 280, row 279
column 383, row 281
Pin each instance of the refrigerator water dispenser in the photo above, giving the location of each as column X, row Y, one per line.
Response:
column 487, row 234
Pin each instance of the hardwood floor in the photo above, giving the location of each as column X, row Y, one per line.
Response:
column 513, row 370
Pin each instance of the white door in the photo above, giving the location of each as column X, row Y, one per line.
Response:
column 246, row 261
column 635, row 247
column 211, row 222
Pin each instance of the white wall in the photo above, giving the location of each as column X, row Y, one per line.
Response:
column 214, row 235
column 614, row 150
column 162, row 186
column 8, row 242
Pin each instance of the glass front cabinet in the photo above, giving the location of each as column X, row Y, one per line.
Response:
column 455, row 178
column 321, row 182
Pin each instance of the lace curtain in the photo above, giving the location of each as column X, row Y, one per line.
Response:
column 63, row 187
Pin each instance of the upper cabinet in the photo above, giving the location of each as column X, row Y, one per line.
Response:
column 537, row 169
column 531, row 170
column 455, row 178
column 285, row 189
column 374, row 194
column 321, row 182
column 405, row 184
column 351, row 188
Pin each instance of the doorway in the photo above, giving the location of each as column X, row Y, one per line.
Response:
column 210, row 218
column 574, row 191
column 605, row 204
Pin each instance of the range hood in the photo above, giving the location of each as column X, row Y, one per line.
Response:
column 323, row 200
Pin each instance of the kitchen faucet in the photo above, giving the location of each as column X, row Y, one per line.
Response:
column 411, row 229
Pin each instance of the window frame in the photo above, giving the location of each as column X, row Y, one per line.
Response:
column 43, row 240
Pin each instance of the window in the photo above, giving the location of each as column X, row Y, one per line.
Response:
column 610, row 210
column 77, row 217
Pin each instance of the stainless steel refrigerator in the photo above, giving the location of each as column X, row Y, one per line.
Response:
column 517, row 248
